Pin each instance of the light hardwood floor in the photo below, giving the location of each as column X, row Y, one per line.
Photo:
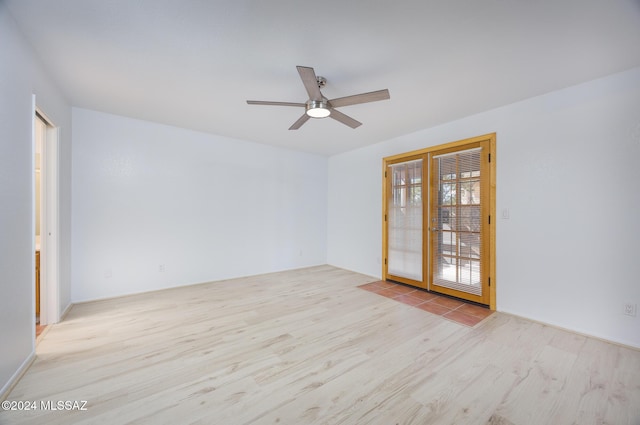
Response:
column 308, row 347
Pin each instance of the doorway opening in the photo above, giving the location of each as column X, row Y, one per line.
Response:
column 45, row 217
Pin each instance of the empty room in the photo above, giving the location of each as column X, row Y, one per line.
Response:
column 347, row 212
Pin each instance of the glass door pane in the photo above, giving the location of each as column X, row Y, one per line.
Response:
column 456, row 224
column 405, row 220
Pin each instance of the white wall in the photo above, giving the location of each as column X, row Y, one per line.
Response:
column 21, row 76
column 205, row 207
column 567, row 171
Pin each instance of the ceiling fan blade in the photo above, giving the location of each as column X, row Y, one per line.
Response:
column 344, row 119
column 303, row 119
column 373, row 96
column 265, row 102
column 310, row 81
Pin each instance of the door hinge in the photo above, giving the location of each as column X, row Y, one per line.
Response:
column 385, row 261
column 385, row 217
column 489, row 157
column 489, row 219
column 489, row 280
column 385, row 174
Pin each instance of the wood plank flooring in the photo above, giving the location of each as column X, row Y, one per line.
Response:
column 309, row 347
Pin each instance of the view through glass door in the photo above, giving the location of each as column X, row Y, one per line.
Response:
column 458, row 221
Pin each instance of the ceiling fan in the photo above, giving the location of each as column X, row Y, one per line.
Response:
column 319, row 106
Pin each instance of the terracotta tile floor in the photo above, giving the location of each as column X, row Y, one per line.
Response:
column 452, row 309
column 39, row 329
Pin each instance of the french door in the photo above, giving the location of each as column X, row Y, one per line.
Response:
column 437, row 232
column 458, row 222
column 405, row 217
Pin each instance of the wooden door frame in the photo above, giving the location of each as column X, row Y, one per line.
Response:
column 425, row 154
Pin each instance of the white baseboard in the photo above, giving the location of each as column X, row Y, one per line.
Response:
column 6, row 390
column 65, row 312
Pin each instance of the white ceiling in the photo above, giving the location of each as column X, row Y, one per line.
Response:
column 194, row 63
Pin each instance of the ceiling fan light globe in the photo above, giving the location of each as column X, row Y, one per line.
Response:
column 318, row 109
column 318, row 112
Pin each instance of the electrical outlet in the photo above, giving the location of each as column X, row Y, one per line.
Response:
column 161, row 268
column 630, row 309
column 108, row 274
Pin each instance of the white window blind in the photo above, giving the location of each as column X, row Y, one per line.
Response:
column 405, row 221
column 458, row 241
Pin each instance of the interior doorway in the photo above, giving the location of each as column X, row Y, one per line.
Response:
column 40, row 131
column 45, row 218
